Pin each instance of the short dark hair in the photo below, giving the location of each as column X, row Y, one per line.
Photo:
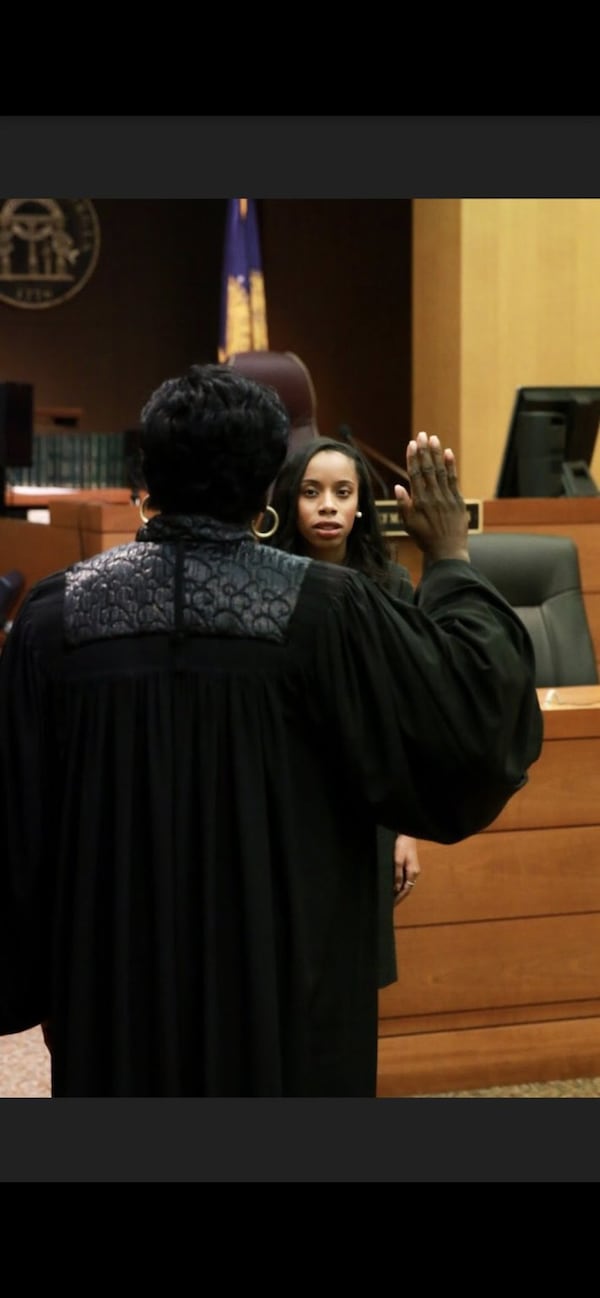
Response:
column 212, row 442
column 366, row 547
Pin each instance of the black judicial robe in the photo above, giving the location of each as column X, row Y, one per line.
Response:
column 399, row 583
column 198, row 738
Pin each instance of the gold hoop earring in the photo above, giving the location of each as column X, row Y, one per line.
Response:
column 264, row 536
column 144, row 501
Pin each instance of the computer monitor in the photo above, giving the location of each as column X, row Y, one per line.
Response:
column 550, row 443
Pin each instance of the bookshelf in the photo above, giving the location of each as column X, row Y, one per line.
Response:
column 75, row 460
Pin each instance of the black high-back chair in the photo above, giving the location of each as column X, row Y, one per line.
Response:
column 539, row 576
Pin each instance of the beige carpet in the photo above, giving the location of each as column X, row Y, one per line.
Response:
column 576, row 1088
column 24, row 1066
column 25, row 1074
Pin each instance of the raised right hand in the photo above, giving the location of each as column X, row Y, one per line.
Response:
column 435, row 514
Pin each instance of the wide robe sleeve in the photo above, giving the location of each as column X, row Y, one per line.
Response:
column 436, row 701
column 28, row 773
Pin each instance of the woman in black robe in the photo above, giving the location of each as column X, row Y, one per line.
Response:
column 326, row 509
column 198, row 738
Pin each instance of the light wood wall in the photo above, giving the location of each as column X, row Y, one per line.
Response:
column 505, row 294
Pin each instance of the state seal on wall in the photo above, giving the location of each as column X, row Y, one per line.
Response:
column 48, row 249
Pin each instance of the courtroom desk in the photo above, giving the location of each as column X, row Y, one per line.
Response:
column 40, row 497
column 100, row 523
column 498, row 945
column 36, row 549
column 81, row 523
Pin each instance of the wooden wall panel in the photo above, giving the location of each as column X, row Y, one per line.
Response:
column 495, row 964
column 504, row 875
column 497, row 1056
column 463, row 1020
column 556, row 793
column 436, row 320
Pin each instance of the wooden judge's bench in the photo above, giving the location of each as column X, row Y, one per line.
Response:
column 499, row 943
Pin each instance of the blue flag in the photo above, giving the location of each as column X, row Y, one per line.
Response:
column 243, row 307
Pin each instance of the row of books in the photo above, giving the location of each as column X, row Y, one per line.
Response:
column 74, row 460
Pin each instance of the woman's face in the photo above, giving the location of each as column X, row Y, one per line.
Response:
column 327, row 505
